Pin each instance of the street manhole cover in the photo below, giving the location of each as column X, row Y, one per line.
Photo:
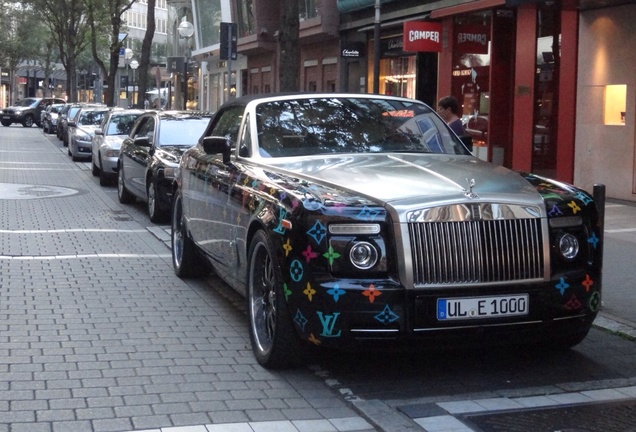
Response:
column 25, row 191
column 618, row 416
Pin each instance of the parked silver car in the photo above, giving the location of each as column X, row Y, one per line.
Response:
column 50, row 117
column 114, row 128
column 80, row 130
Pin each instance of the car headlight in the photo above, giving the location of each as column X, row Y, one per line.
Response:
column 82, row 136
column 110, row 153
column 568, row 246
column 170, row 172
column 363, row 255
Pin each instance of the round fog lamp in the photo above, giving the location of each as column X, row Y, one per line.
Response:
column 363, row 255
column 568, row 246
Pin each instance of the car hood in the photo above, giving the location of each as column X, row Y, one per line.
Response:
column 407, row 178
column 114, row 141
column 89, row 129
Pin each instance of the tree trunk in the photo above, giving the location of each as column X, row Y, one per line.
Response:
column 289, row 53
column 146, row 46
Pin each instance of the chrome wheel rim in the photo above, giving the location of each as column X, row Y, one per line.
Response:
column 262, row 291
column 177, row 235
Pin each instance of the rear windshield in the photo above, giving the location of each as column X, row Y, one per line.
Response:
column 121, row 124
column 181, row 131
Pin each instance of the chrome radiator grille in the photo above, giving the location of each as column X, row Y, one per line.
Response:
column 476, row 251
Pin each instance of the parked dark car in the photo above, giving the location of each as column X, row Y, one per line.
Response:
column 151, row 153
column 27, row 112
column 115, row 127
column 50, row 116
column 363, row 218
column 81, row 130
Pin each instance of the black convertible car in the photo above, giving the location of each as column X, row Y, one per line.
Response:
column 345, row 218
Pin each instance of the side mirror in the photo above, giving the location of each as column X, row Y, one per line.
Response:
column 215, row 145
column 71, row 123
column 99, row 132
column 142, row 141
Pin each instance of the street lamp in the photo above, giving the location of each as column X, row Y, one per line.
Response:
column 186, row 30
column 128, row 53
column 134, row 65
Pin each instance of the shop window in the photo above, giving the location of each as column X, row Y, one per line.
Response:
column 397, row 68
column 615, row 103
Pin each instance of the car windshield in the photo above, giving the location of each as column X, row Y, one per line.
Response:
column 28, row 102
column 181, row 131
column 351, row 125
column 90, row 118
column 121, row 124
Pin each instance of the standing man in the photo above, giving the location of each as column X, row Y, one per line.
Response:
column 448, row 110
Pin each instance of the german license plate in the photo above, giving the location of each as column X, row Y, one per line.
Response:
column 482, row 307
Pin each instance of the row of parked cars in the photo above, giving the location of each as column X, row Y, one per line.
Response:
column 354, row 218
column 138, row 149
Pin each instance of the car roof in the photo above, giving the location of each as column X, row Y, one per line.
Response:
column 175, row 114
column 245, row 100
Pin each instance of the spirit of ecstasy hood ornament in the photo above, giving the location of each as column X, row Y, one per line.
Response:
column 468, row 192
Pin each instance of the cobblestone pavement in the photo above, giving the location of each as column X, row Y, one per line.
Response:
column 97, row 334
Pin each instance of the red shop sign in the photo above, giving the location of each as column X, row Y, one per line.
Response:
column 422, row 36
column 471, row 39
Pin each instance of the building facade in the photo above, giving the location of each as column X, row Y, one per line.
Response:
column 533, row 77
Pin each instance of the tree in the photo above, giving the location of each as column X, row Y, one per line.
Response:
column 67, row 21
column 16, row 25
column 289, row 57
column 146, row 46
column 106, row 16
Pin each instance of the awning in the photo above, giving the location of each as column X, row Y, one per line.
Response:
column 466, row 7
column 345, row 6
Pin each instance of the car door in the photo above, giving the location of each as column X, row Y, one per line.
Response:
column 215, row 227
column 137, row 157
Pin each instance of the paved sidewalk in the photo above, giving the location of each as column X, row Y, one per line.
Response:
column 98, row 334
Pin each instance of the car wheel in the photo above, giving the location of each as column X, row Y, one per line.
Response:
column 186, row 262
column 104, row 178
column 274, row 341
column 6, row 123
column 45, row 128
column 68, row 151
column 155, row 212
column 28, row 121
column 95, row 169
column 125, row 197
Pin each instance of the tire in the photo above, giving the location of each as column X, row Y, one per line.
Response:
column 45, row 128
column 105, row 179
column 95, row 169
column 274, row 341
column 28, row 121
column 125, row 197
column 155, row 211
column 186, row 261
column 6, row 123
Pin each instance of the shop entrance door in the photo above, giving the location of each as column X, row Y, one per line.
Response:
column 482, row 80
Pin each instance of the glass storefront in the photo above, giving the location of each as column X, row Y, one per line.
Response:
column 397, row 68
column 470, row 82
column 546, row 91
